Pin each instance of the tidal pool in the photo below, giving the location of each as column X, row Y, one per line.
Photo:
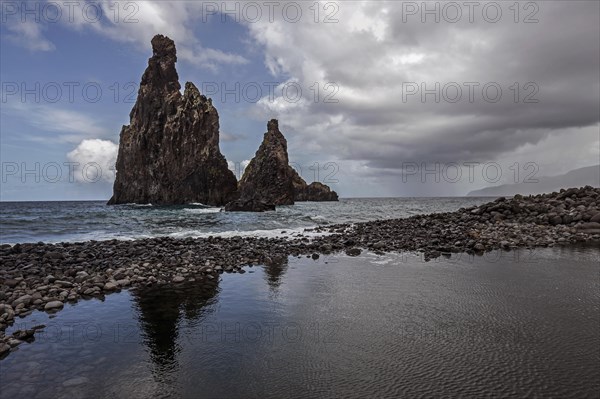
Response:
column 508, row 324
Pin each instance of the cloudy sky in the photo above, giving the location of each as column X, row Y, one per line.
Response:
column 382, row 98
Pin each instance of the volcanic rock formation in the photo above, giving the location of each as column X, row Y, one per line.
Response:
column 269, row 180
column 315, row 191
column 169, row 153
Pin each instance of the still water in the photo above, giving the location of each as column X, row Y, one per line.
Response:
column 509, row 324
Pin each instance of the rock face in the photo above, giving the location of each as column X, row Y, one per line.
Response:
column 314, row 191
column 269, row 180
column 268, row 177
column 169, row 153
column 249, row 205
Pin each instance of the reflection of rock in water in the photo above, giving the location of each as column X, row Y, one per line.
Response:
column 160, row 311
column 275, row 266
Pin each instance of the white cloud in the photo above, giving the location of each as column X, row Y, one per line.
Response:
column 238, row 167
column 28, row 34
column 126, row 22
column 139, row 21
column 95, row 160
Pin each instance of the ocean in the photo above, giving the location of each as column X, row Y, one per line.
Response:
column 75, row 221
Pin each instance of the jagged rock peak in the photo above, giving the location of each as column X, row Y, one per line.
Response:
column 193, row 97
column 273, row 126
column 163, row 47
column 274, row 140
column 161, row 74
column 268, row 176
column 169, row 153
column 269, row 180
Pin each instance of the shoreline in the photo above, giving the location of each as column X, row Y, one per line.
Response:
column 39, row 276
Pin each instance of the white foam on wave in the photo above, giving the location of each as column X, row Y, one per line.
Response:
column 271, row 233
column 203, row 210
column 289, row 234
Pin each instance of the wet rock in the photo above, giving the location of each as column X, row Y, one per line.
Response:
column 353, row 251
column 54, row 305
column 6, row 312
column 22, row 300
column 23, row 335
column 4, row 348
column 110, row 287
column 433, row 254
column 123, row 282
column 249, row 205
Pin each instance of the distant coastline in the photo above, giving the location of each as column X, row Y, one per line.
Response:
column 589, row 175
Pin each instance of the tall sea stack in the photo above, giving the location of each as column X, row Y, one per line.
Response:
column 268, row 176
column 169, row 153
column 269, row 180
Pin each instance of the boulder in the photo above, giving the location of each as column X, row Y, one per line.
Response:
column 249, row 205
column 353, row 251
column 54, row 305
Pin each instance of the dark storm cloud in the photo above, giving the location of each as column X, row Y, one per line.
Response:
column 372, row 54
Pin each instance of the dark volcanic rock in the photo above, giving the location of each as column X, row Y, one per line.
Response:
column 314, row 191
column 169, row 153
column 249, row 205
column 269, row 180
column 268, row 177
